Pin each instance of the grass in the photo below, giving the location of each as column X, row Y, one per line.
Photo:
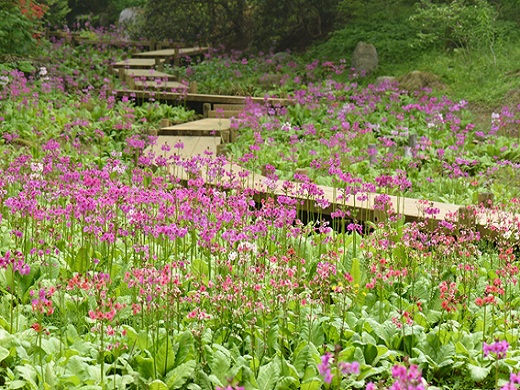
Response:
column 486, row 78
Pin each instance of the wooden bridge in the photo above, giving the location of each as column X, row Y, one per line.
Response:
column 208, row 138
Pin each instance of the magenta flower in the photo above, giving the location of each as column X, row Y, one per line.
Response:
column 499, row 348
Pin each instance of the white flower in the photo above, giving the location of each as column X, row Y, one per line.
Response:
column 37, row 167
column 120, row 168
column 286, row 126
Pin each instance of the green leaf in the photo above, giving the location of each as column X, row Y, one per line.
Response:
column 478, row 373
column 145, row 366
column 220, row 364
column 157, row 385
column 17, row 384
column 4, row 353
column 355, row 272
column 268, row 376
column 186, row 347
column 165, row 358
column 313, row 384
column 199, row 268
column 287, row 382
column 317, row 335
column 272, row 338
column 176, row 378
column 302, row 359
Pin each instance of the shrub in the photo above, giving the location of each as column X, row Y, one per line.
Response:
column 16, row 30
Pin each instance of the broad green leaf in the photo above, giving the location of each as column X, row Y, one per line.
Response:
column 302, row 359
column 165, row 358
column 186, row 347
column 4, row 353
column 199, row 268
column 76, row 366
column 145, row 366
column 51, row 345
column 478, row 373
column 318, row 335
column 268, row 376
column 272, row 338
column 220, row 364
column 17, row 384
column 28, row 373
column 50, row 375
column 355, row 272
column 179, row 375
column 313, row 384
column 287, row 382
column 157, row 385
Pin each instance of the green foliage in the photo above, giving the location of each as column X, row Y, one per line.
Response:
column 15, row 32
column 244, row 23
column 56, row 13
column 458, row 24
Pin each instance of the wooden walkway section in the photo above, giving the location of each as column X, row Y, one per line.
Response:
column 195, row 97
column 137, row 63
column 205, row 138
column 172, row 56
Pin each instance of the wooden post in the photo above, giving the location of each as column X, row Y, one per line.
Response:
column 193, row 87
column 206, row 108
column 165, row 122
column 407, row 152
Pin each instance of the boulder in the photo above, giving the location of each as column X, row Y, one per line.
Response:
column 364, row 58
column 129, row 17
column 418, row 80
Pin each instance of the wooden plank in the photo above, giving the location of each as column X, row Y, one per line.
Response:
column 148, row 74
column 202, row 98
column 201, row 128
column 158, row 85
column 192, row 146
column 136, row 63
column 170, row 53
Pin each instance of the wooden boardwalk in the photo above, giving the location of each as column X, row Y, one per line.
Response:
column 137, row 63
column 146, row 74
column 204, row 137
column 196, row 97
column 172, row 56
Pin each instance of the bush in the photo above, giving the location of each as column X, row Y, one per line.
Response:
column 458, row 24
column 15, row 32
column 240, row 24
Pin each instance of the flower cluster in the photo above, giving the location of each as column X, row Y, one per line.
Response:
column 498, row 348
column 325, row 368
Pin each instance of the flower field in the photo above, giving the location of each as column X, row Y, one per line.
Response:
column 115, row 274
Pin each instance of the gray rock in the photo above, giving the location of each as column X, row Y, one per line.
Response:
column 364, row 58
column 129, row 16
column 419, row 80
